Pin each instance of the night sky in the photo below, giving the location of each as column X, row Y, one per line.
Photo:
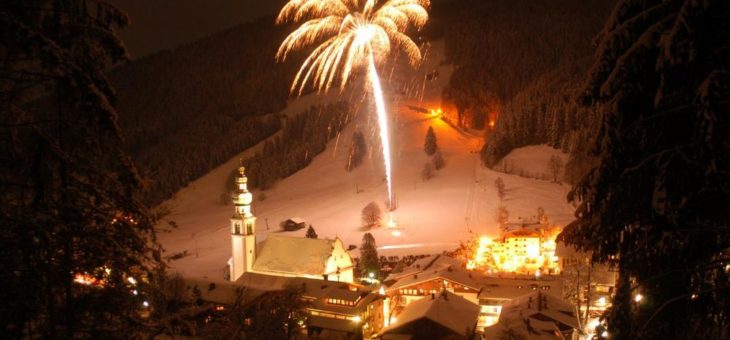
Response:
column 163, row 24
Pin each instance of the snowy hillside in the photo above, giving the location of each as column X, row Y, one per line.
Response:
column 432, row 215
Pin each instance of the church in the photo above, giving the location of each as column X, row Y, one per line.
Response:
column 278, row 255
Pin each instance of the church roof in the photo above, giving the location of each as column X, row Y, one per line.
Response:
column 293, row 255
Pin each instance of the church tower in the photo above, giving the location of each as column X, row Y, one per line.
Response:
column 243, row 229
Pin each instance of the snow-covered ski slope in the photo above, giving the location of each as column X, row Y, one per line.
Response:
column 435, row 215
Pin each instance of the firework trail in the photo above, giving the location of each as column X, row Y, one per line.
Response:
column 349, row 35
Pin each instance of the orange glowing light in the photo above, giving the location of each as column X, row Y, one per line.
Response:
column 519, row 252
column 88, row 280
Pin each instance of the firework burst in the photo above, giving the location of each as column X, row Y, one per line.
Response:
column 349, row 34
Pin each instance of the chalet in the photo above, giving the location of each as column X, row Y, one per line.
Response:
column 537, row 315
column 440, row 315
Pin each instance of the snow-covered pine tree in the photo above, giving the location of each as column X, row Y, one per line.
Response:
column 430, row 146
column 69, row 195
column 656, row 204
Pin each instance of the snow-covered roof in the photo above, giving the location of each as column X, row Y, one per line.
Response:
column 508, row 288
column 460, row 276
column 294, row 255
column 432, row 262
column 537, row 315
column 433, row 267
column 446, row 309
column 297, row 220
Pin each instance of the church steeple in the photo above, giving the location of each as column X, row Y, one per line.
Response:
column 243, row 228
column 242, row 198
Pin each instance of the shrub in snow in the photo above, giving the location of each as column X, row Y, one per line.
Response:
column 438, row 160
column 427, row 172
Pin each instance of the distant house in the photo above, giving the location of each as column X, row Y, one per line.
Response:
column 537, row 315
column 294, row 223
column 440, row 315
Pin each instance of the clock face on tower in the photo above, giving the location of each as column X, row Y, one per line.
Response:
column 246, row 197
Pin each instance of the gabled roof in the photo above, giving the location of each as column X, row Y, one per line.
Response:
column 446, row 309
column 433, row 262
column 460, row 276
column 542, row 306
column 294, row 255
column 514, row 286
column 536, row 315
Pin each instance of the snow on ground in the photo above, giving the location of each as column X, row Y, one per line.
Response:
column 531, row 161
column 432, row 216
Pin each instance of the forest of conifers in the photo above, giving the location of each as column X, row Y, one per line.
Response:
column 187, row 110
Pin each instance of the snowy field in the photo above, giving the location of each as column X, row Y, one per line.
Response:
column 435, row 215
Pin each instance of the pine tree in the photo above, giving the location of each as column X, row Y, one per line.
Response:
column 656, row 204
column 310, row 232
column 369, row 261
column 69, row 195
column 430, row 145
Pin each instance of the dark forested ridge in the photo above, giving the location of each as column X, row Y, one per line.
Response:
column 305, row 136
column 187, row 110
column 520, row 60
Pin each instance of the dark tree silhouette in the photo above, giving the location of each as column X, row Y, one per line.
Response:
column 499, row 185
column 430, row 146
column 427, row 172
column 369, row 262
column 554, row 167
column 357, row 151
column 310, row 232
column 656, row 205
column 69, row 196
column 438, row 160
column 371, row 215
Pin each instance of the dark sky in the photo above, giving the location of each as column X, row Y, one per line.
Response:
column 162, row 24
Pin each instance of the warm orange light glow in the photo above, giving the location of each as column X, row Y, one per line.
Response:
column 519, row 252
column 88, row 280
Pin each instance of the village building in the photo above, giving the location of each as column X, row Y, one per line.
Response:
column 538, row 315
column 322, row 259
column 331, row 309
column 440, row 315
column 497, row 291
column 524, row 248
column 427, row 276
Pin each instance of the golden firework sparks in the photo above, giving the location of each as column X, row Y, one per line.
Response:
column 350, row 34
column 346, row 33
